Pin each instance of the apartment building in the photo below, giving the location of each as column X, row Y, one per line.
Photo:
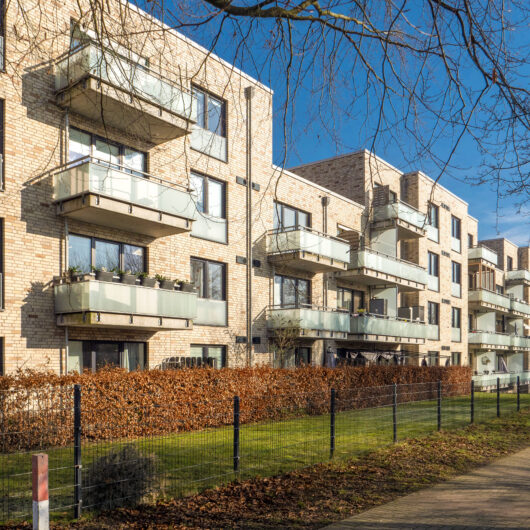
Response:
column 143, row 223
column 499, row 308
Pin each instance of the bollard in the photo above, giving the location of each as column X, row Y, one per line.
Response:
column 394, row 413
column 472, row 401
column 332, row 424
column 41, row 506
column 236, row 433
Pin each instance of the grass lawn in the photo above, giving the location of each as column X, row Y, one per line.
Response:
column 190, row 462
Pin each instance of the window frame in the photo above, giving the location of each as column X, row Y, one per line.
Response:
column 470, row 240
column 431, row 207
column 224, row 114
column 352, row 308
column 456, row 227
column 509, row 263
column 456, row 272
column 205, row 266
column 456, row 316
column 206, row 347
column 430, row 262
column 280, row 208
column 435, row 305
column 93, row 240
column 453, row 353
column 205, row 191
column 297, row 291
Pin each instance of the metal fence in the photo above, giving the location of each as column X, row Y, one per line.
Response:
column 92, row 465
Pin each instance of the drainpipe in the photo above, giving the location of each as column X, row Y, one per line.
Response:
column 66, row 265
column 249, row 93
column 325, row 203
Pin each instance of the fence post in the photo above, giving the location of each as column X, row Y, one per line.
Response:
column 498, row 397
column 518, row 394
column 439, row 405
column 77, row 451
column 472, row 401
column 236, row 433
column 332, row 424
column 394, row 412
column 41, row 506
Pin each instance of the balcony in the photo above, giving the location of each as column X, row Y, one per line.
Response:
column 409, row 221
column 488, row 300
column 520, row 308
column 483, row 253
column 520, row 276
column 97, row 304
column 370, row 267
column 211, row 312
column 91, row 191
column 520, row 343
column 104, row 86
column 489, row 339
column 306, row 249
column 378, row 328
column 489, row 381
column 309, row 322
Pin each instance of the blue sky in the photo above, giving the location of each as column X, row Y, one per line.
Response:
column 321, row 125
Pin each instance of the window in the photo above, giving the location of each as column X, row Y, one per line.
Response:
column 87, row 252
column 291, row 292
column 82, row 144
column 210, row 195
column 2, row 35
column 302, row 356
column 209, row 277
column 2, row 165
column 499, row 289
column 212, row 355
column 456, row 358
column 433, row 264
column 350, row 299
column 433, row 215
column 392, row 197
column 211, row 112
column 2, row 357
column 455, row 227
column 1, row 264
column 470, row 240
column 433, row 358
column 456, row 313
column 456, row 272
column 433, row 310
column 287, row 217
column 470, row 322
column 85, row 355
column 509, row 263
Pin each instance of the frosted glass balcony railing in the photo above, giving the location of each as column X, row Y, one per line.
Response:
column 211, row 312
column 433, row 282
column 210, row 228
column 400, row 210
column 505, row 379
column 124, row 74
column 370, row 259
column 489, row 337
column 489, row 297
column 389, row 326
column 433, row 233
column 483, row 253
column 520, row 275
column 90, row 175
column 456, row 334
column 520, row 342
column 111, row 297
column 209, row 143
column 456, row 290
column 520, row 306
column 307, row 240
column 433, row 331
column 309, row 318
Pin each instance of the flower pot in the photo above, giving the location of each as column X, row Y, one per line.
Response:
column 104, row 276
column 187, row 287
column 129, row 279
column 148, row 282
column 167, row 284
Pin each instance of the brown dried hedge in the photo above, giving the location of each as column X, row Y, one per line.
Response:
column 36, row 408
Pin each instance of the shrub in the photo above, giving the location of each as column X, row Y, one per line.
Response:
column 122, row 477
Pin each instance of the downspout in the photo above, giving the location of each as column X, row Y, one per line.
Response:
column 325, row 203
column 66, row 265
column 249, row 93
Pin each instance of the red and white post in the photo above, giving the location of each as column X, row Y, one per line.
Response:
column 41, row 507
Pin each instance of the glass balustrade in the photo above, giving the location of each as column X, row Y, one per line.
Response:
column 402, row 211
column 483, row 253
column 394, row 327
column 308, row 318
column 483, row 296
column 490, row 338
column 520, row 275
column 211, row 312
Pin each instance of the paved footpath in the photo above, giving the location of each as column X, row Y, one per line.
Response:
column 492, row 497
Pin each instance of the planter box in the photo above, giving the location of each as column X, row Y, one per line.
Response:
column 148, row 282
column 129, row 279
column 188, row 287
column 104, row 276
column 167, row 284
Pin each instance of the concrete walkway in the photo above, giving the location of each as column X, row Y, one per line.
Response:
column 492, row 497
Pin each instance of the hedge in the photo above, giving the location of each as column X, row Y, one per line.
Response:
column 36, row 408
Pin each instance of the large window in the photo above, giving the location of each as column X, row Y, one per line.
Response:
column 433, row 310
column 86, row 355
column 509, row 263
column 433, row 264
column 350, row 299
column 433, row 215
column 212, row 355
column 211, row 112
column 456, row 272
column 82, row 144
column 209, row 277
column 87, row 252
column 456, row 358
column 433, row 358
column 287, row 217
column 291, row 292
column 210, row 195
column 456, row 317
column 455, row 227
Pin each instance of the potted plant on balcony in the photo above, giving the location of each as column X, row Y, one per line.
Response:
column 165, row 283
column 127, row 277
column 102, row 274
column 74, row 273
column 187, row 286
column 145, row 280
